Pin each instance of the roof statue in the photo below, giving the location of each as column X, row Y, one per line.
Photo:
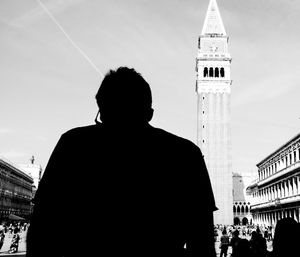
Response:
column 213, row 23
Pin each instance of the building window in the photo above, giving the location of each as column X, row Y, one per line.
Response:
column 205, row 72
column 294, row 156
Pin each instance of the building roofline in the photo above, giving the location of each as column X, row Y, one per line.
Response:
column 15, row 169
column 278, row 149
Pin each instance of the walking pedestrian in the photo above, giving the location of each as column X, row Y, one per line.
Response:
column 2, row 236
column 224, row 243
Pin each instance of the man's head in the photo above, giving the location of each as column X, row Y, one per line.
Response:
column 124, row 96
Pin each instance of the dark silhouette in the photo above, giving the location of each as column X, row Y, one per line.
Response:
column 258, row 244
column 224, row 243
column 234, row 241
column 286, row 238
column 2, row 236
column 122, row 187
column 243, row 249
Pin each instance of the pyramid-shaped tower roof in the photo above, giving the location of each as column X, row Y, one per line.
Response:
column 213, row 23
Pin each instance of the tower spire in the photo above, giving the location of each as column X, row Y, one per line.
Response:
column 213, row 24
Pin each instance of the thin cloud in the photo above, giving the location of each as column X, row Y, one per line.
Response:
column 38, row 13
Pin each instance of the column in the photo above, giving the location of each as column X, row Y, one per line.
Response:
column 279, row 190
column 294, row 185
column 285, row 188
column 274, row 217
column 290, row 187
column 295, row 215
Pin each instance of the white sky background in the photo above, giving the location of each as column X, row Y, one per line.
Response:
column 48, row 87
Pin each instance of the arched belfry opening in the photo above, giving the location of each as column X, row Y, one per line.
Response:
column 211, row 72
column 222, row 72
column 216, row 72
column 205, row 72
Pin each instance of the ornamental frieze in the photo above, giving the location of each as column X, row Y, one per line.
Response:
column 280, row 155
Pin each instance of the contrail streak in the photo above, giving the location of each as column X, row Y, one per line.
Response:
column 69, row 38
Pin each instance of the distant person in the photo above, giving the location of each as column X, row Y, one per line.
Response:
column 145, row 191
column 224, row 243
column 258, row 244
column 286, row 238
column 234, row 241
column 2, row 236
column 242, row 248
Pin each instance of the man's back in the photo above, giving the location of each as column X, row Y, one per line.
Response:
column 122, row 192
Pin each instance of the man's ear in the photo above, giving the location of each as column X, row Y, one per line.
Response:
column 150, row 114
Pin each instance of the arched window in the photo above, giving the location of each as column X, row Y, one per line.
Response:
column 244, row 221
column 242, row 209
column 216, row 72
column 236, row 221
column 211, row 72
column 247, row 210
column 234, row 209
column 238, row 209
column 205, row 72
column 222, row 72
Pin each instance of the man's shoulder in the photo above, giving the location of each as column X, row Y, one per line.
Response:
column 80, row 131
column 171, row 138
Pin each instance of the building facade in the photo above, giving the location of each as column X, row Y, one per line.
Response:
column 15, row 190
column 241, row 199
column 213, row 87
column 276, row 193
column 33, row 170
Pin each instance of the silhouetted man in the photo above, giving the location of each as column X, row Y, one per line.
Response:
column 122, row 187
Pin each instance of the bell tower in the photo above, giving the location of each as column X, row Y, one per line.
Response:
column 213, row 87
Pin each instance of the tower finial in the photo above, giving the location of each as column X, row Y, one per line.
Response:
column 213, row 24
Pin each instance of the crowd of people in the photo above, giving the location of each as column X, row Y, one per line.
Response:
column 13, row 232
column 251, row 241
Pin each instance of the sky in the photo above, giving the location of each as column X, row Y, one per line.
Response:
column 51, row 69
